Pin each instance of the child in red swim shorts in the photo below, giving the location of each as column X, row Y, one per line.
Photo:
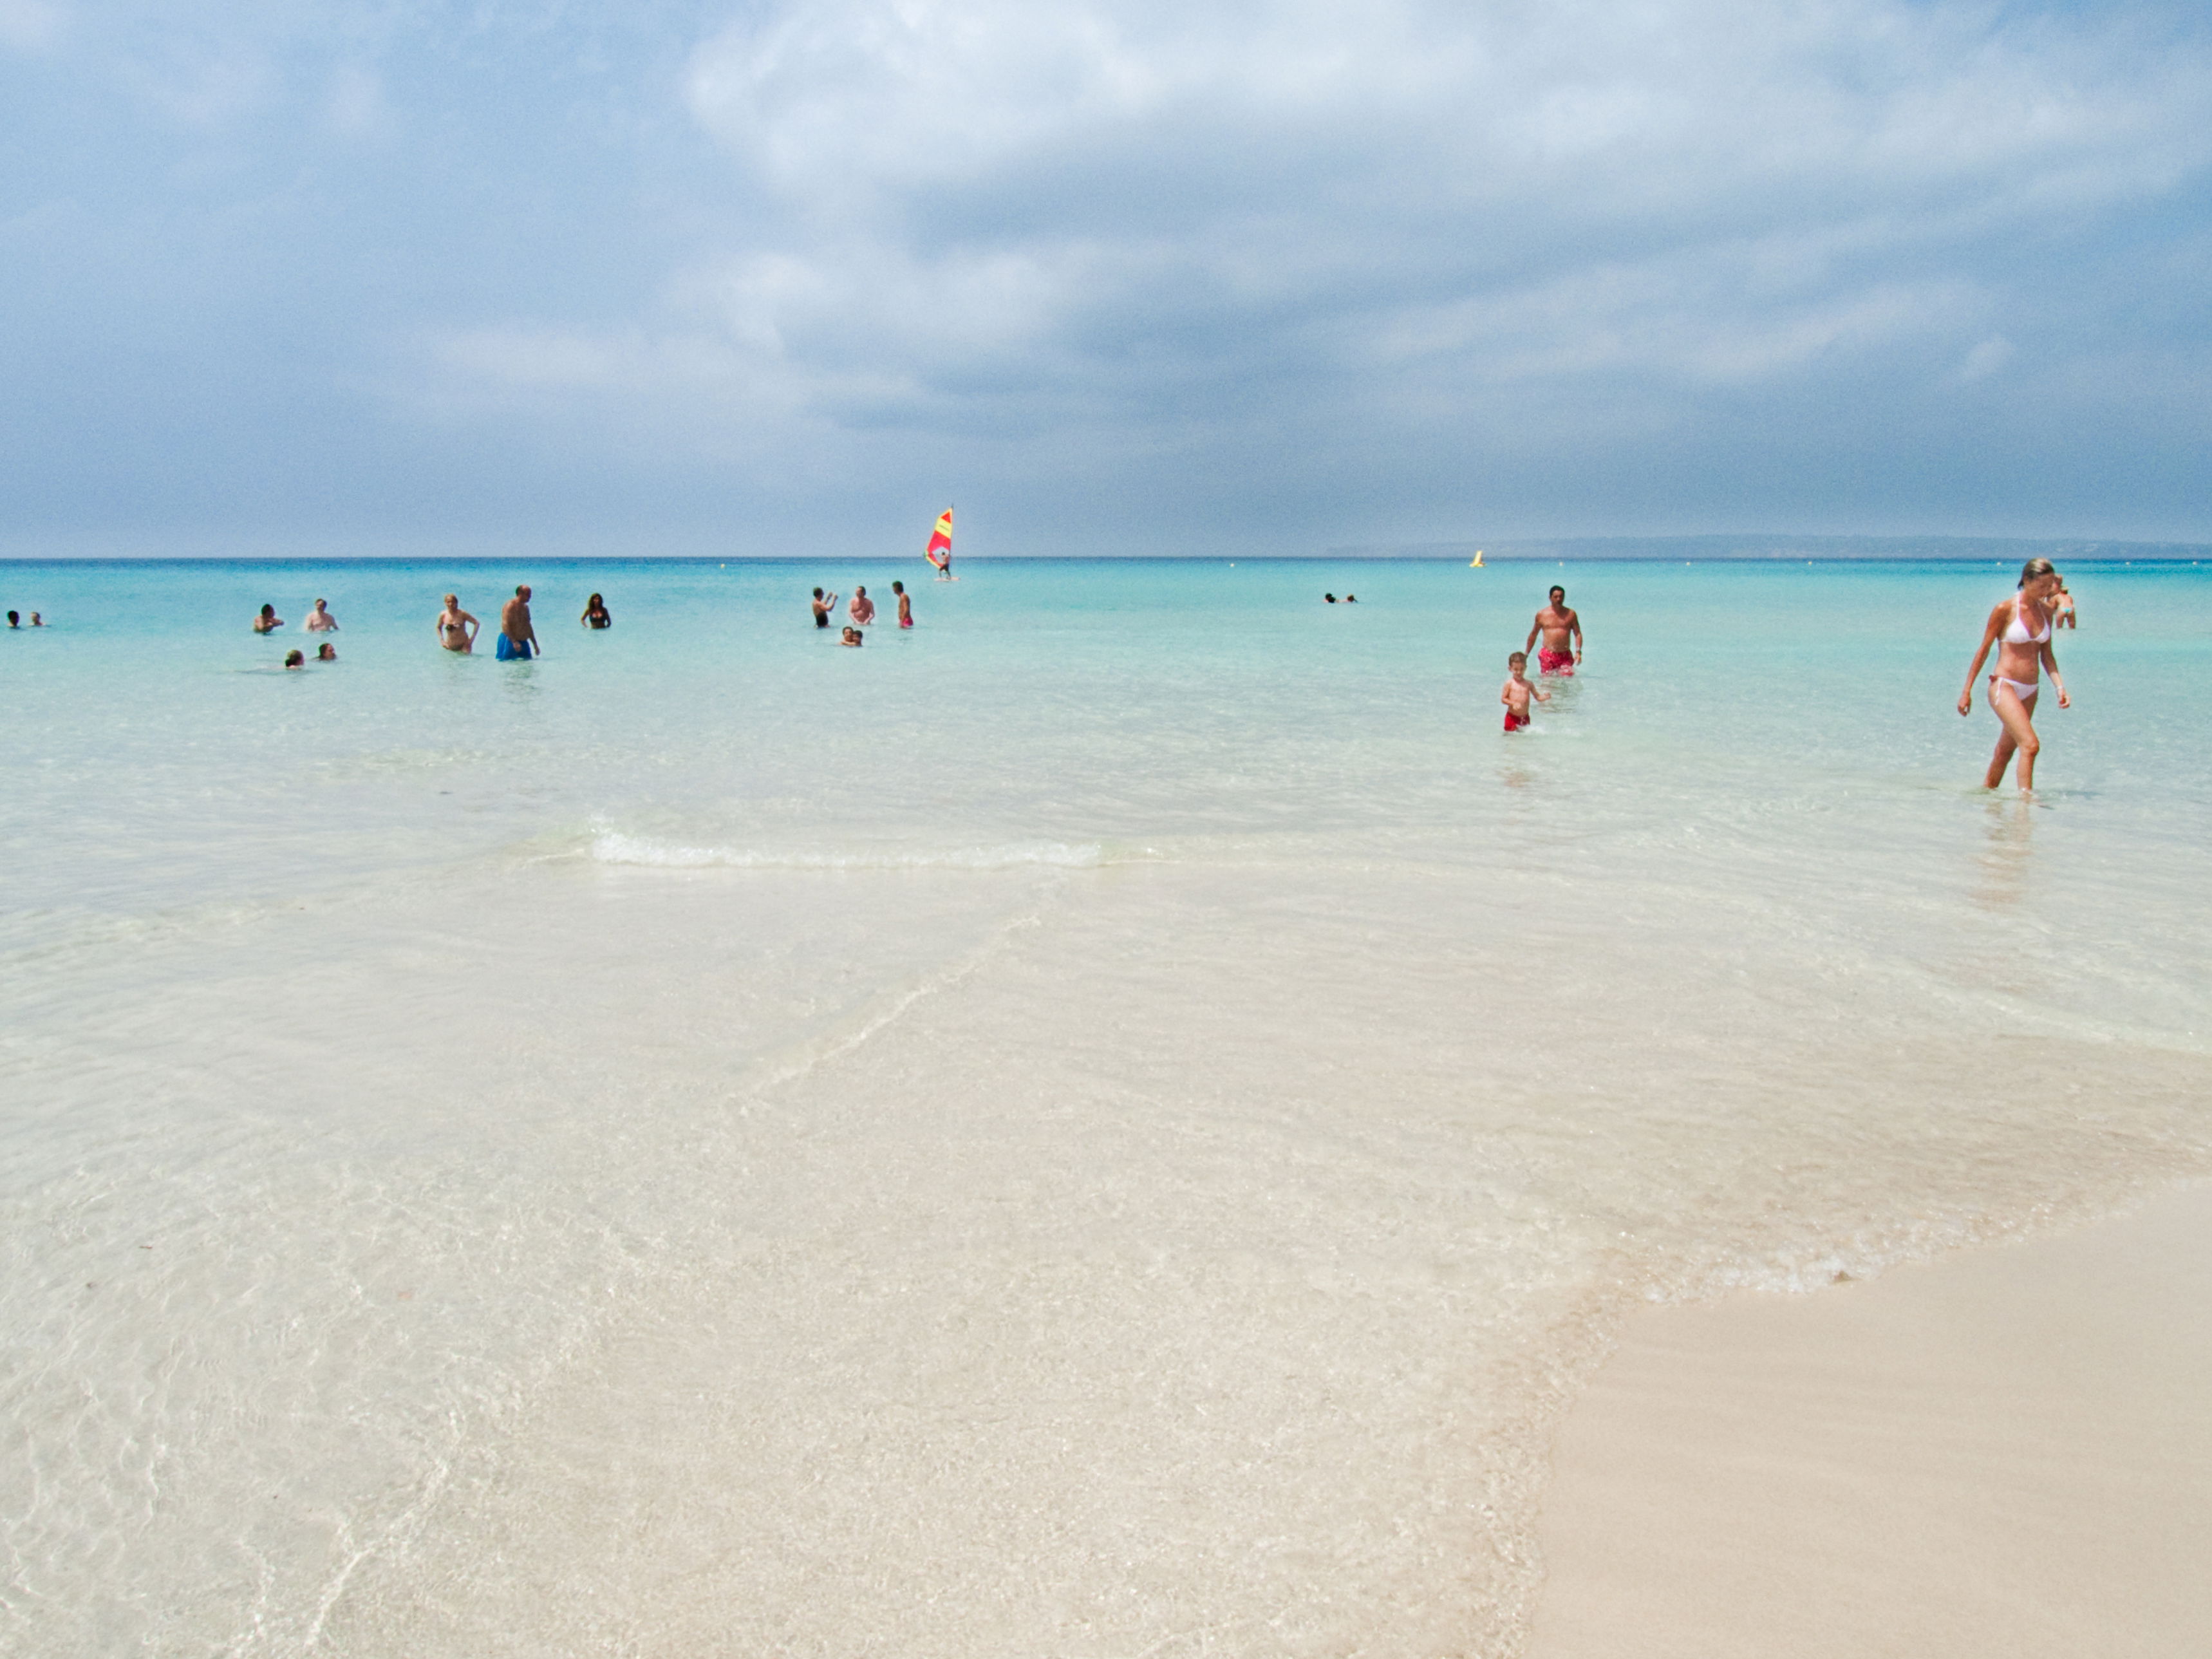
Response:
column 1517, row 690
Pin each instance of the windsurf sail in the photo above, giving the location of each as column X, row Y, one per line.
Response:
column 939, row 550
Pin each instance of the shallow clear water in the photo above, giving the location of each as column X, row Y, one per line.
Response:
column 1109, row 1123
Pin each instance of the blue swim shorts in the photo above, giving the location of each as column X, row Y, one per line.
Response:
column 509, row 651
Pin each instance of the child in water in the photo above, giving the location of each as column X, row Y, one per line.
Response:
column 853, row 637
column 1517, row 691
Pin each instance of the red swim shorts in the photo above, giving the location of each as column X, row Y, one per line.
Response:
column 1549, row 661
column 1514, row 722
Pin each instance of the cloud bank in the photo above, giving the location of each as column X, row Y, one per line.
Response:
column 1125, row 276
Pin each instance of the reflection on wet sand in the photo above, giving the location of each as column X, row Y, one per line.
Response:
column 2007, row 859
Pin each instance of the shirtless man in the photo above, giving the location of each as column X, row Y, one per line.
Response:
column 862, row 610
column 267, row 622
column 1560, row 627
column 319, row 620
column 457, row 629
column 824, row 603
column 518, row 639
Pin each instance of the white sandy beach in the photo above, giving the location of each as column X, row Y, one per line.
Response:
column 2004, row 1452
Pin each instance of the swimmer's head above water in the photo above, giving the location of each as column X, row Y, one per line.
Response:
column 852, row 636
column 295, row 659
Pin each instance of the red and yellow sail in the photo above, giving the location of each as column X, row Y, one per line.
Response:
column 939, row 550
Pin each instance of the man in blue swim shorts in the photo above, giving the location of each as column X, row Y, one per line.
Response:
column 518, row 639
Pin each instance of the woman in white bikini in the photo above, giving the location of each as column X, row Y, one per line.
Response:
column 2020, row 629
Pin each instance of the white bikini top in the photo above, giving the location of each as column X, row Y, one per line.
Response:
column 2016, row 630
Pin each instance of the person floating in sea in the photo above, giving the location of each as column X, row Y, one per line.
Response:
column 457, row 629
column 14, row 621
column 295, row 660
column 37, row 620
column 1561, row 627
column 267, row 622
column 862, row 610
column 518, row 639
column 326, row 652
column 852, row 636
column 1517, row 690
column 595, row 613
column 2020, row 628
column 905, row 605
column 1329, row 598
column 823, row 605
column 319, row 620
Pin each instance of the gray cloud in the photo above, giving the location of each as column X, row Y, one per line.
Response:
column 1269, row 270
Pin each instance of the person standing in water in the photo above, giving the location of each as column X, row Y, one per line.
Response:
column 905, row 605
column 457, row 629
column 823, row 605
column 2020, row 628
column 1560, row 627
column 1517, row 691
column 267, row 622
column 2062, row 607
column 518, row 639
column 595, row 613
column 319, row 620
column 862, row 608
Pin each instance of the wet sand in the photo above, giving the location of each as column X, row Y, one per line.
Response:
column 2003, row 1452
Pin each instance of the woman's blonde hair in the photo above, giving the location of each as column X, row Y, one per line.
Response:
column 2033, row 569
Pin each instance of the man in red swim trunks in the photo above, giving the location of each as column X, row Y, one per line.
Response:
column 1561, row 628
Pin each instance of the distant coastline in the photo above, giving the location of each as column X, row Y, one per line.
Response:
column 1845, row 549
column 1712, row 549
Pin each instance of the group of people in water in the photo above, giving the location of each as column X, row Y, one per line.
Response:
column 517, row 641
column 15, row 619
column 2020, row 629
column 862, row 611
column 319, row 621
column 457, row 629
column 1560, row 627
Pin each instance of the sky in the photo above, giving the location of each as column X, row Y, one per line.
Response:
column 1113, row 275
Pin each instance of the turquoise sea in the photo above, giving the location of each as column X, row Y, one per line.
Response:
column 1112, row 1123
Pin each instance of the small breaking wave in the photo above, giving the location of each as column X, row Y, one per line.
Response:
column 613, row 847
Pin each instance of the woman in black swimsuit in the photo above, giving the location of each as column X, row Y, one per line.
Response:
column 595, row 613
